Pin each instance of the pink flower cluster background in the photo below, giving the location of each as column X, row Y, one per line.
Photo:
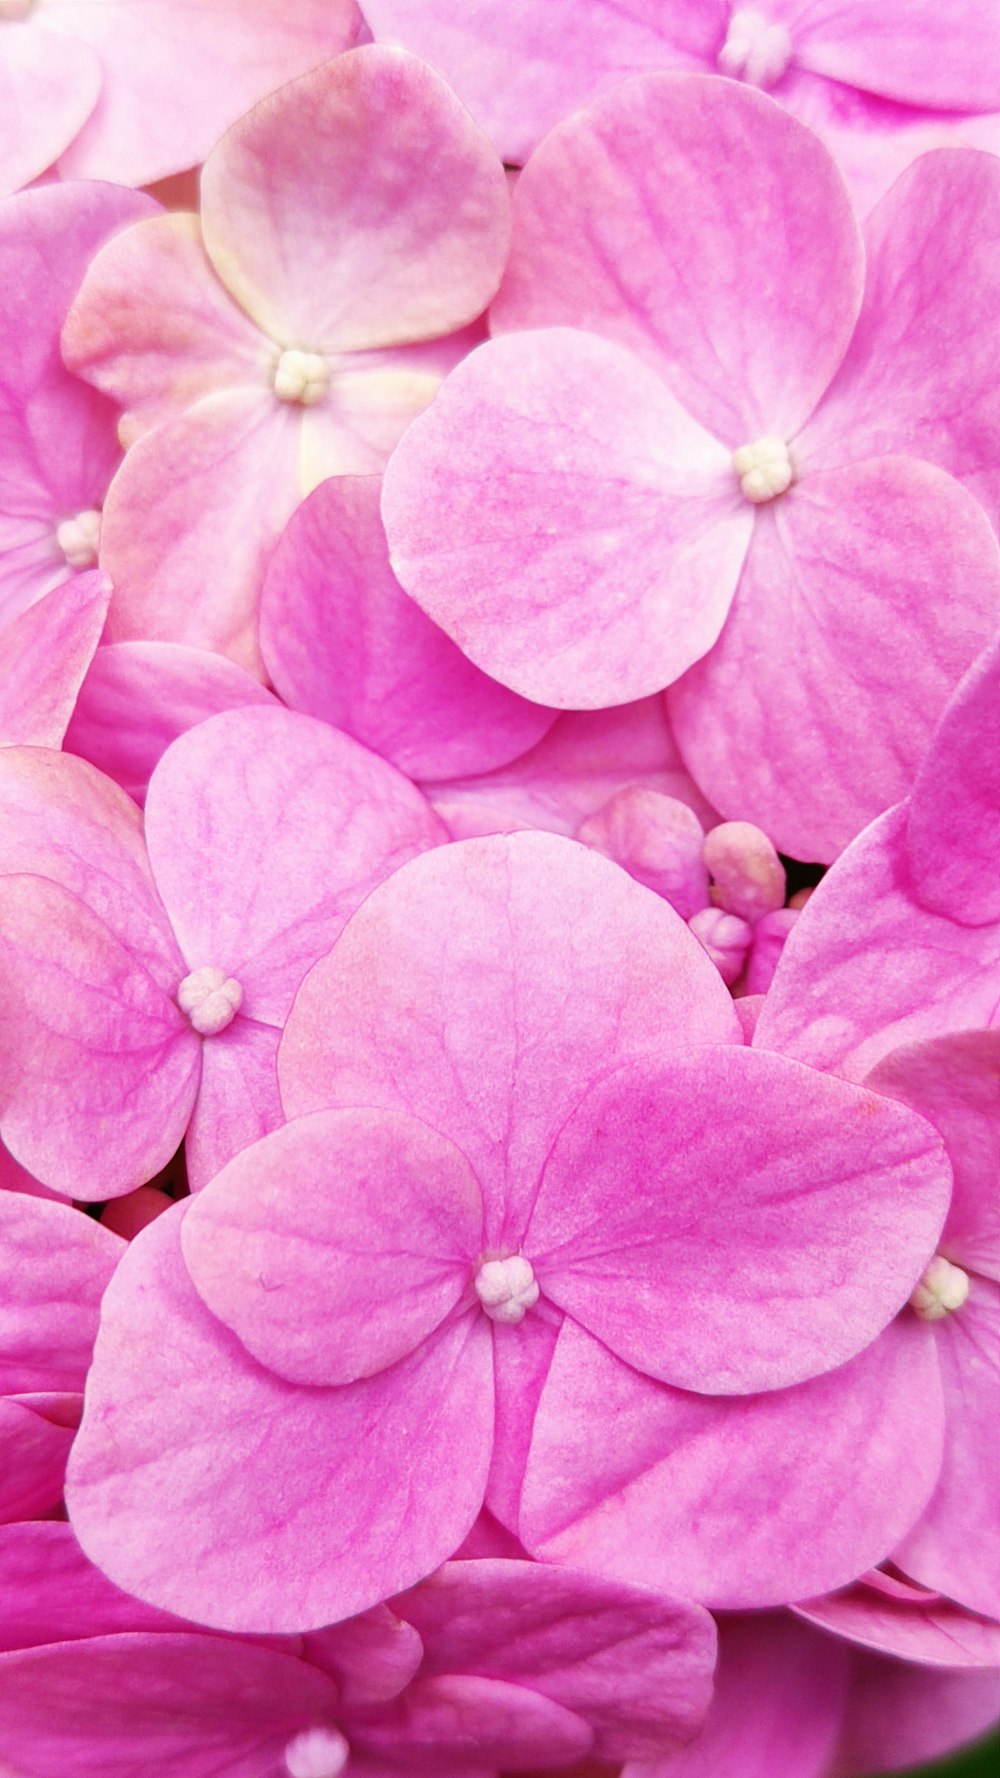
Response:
column 499, row 887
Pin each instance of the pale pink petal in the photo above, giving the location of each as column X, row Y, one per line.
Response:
column 190, row 519
column 569, row 965
column 55, row 1265
column 925, row 1628
column 951, row 821
column 154, row 329
column 137, row 697
column 737, row 1502
column 238, row 1098
column 560, row 516
column 343, row 642
column 901, row 1715
column 880, row 578
column 684, row 1217
column 337, row 1245
column 626, row 213
column 262, row 899
column 358, row 207
column 48, row 88
column 44, row 655
column 371, row 399
column 657, row 839
column 176, row 73
column 242, row 1501
column 33, row 1452
column 910, row 50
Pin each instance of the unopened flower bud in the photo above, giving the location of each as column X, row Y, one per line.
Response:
column 317, row 1753
column 301, row 377
column 765, row 470
column 211, row 1000
column 725, row 937
column 942, row 1289
column 79, row 537
column 756, row 49
column 748, row 877
column 507, row 1288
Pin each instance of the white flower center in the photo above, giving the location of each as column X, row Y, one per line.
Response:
column 506, row 1288
column 301, row 376
column 317, row 1753
column 942, row 1289
column 765, row 470
column 15, row 9
column 78, row 538
column 211, row 1000
column 755, row 49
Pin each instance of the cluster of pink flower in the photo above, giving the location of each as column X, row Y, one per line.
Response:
column 495, row 1276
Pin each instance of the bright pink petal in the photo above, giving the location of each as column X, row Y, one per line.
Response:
column 522, row 1355
column 137, row 697
column 338, row 1245
column 568, row 964
column 685, row 1210
column 175, row 74
column 33, row 1452
column 99, row 1069
column 44, row 655
column 559, row 514
column 48, row 88
column 657, row 839
column 902, row 1715
column 456, row 1717
column 55, row 1265
column 343, row 642
column 909, row 50
column 294, row 1507
column 49, row 1592
column 737, row 1502
column 634, row 1664
column 882, row 574
column 952, row 816
column 925, row 1628
column 263, row 899
column 626, row 213
column 359, row 207
column 238, row 1098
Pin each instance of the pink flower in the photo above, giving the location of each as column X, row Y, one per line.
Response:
column 887, row 1612
column 45, row 653
column 695, row 492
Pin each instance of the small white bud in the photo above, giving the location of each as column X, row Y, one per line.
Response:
column 78, row 538
column 756, row 49
column 211, row 1000
column 765, row 470
column 317, row 1753
column 942, row 1289
column 301, row 376
column 507, row 1288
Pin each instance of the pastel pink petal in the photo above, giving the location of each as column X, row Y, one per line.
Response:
column 190, row 519
column 951, row 821
column 190, row 1705
column 343, row 642
column 684, row 1217
column 337, row 1245
column 919, row 373
column 395, row 1015
column 954, row 1082
column 15, row 1178
column 55, row 1265
column 902, row 1715
column 137, row 697
column 51, row 1593
column 636, row 1665
column 99, row 1069
column 955, row 1547
column 522, row 1355
column 359, row 207
column 776, row 1711
column 625, row 214
column 238, row 1098
column 521, row 67
column 295, row 1507
column 153, row 328
column 936, row 1632
column 265, row 898
column 741, row 1502
column 560, row 515
column 866, row 969
column 44, row 655
column 910, row 51
column 48, row 88
column 171, row 85
column 33, row 1452
column 372, row 398
column 657, row 839
column 458, row 1716
column 880, row 574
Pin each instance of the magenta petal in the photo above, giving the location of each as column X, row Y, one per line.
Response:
column 245, row 1502
column 338, row 1244
column 44, row 655
column 49, row 1592
column 33, row 1452
column 568, row 964
column 951, row 822
column 48, row 88
column 458, row 1716
column 359, row 206
column 902, row 1715
column 55, row 1265
column 238, row 1099
column 343, row 642
column 745, row 1501
column 562, row 517
column 931, row 1630
column 634, row 1664
column 99, row 1069
column 628, row 210
column 685, row 1210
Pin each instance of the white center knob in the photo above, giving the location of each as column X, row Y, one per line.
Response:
column 756, row 49
column 317, row 1753
column 78, row 538
column 942, row 1289
column 211, row 1000
column 301, row 376
column 765, row 470
column 507, row 1289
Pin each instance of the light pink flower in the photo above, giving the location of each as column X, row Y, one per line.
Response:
column 350, row 224
column 688, row 493
column 45, row 653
